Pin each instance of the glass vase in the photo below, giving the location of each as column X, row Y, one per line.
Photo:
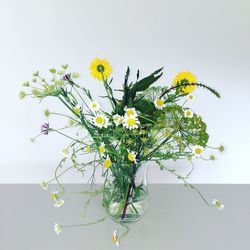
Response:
column 125, row 193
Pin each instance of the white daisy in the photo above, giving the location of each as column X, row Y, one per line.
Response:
column 218, row 204
column 188, row 113
column 132, row 156
column 100, row 120
column 191, row 97
column 159, row 103
column 118, row 119
column 57, row 228
column 44, row 185
column 130, row 111
column 131, row 122
column 59, row 203
column 115, row 238
column 94, row 106
column 197, row 151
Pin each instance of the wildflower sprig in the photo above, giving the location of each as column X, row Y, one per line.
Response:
column 147, row 123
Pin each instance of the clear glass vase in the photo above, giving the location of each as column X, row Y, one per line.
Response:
column 126, row 192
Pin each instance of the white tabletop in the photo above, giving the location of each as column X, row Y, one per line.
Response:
column 176, row 219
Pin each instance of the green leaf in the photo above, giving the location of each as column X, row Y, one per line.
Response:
column 144, row 83
column 143, row 105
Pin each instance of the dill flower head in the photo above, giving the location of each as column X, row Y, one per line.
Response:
column 100, row 69
column 183, row 78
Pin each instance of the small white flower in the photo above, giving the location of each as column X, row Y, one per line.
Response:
column 115, row 238
column 131, row 122
column 118, row 119
column 44, row 185
column 59, row 203
column 94, row 106
column 132, row 156
column 159, row 103
column 100, row 121
column 218, row 204
column 130, row 111
column 77, row 109
column 188, row 113
column 57, row 228
column 197, row 151
column 65, row 152
column 191, row 97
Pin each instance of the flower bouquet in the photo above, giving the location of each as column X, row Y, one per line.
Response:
column 144, row 124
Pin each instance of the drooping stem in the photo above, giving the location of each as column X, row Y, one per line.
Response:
column 130, row 192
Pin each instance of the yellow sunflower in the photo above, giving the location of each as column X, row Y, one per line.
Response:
column 100, row 68
column 185, row 77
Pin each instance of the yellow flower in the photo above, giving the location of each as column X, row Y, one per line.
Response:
column 102, row 149
column 107, row 163
column 100, row 69
column 185, row 77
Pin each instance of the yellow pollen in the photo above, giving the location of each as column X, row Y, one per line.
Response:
column 131, row 121
column 160, row 102
column 198, row 151
column 130, row 112
column 107, row 163
column 99, row 120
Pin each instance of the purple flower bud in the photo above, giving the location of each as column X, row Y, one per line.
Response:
column 67, row 77
column 45, row 128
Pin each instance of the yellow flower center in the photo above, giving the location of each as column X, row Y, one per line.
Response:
column 76, row 110
column 107, row 163
column 159, row 102
column 88, row 149
column 114, row 238
column 191, row 97
column 131, row 156
column 198, row 151
column 94, row 105
column 130, row 112
column 188, row 113
column 99, row 120
column 131, row 121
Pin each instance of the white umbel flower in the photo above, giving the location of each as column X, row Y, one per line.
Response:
column 197, row 151
column 159, row 103
column 57, row 228
column 131, row 122
column 115, row 238
column 94, row 106
column 218, row 204
column 188, row 113
column 118, row 119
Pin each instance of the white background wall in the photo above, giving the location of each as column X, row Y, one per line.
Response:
column 209, row 38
